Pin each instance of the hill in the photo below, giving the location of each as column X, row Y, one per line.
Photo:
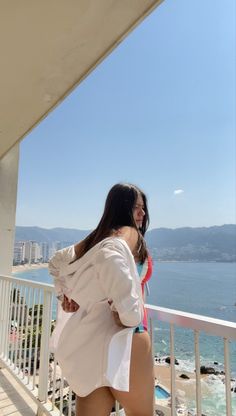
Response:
column 217, row 243
column 49, row 235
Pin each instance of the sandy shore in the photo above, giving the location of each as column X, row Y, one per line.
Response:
column 26, row 267
column 188, row 386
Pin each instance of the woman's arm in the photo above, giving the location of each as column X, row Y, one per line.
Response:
column 117, row 274
column 130, row 235
column 60, row 258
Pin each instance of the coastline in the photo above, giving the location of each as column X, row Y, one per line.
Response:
column 162, row 374
column 212, row 389
column 26, row 267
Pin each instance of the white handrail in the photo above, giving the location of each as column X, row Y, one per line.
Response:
column 29, row 283
column 213, row 326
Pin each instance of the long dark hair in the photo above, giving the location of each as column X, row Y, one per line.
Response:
column 118, row 212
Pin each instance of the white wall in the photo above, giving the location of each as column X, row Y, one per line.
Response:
column 8, row 197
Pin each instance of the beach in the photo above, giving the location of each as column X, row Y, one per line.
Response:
column 188, row 385
column 21, row 268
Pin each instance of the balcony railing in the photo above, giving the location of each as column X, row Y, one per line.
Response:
column 27, row 317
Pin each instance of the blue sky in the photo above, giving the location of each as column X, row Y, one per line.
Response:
column 158, row 112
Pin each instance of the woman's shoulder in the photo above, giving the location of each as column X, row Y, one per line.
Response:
column 129, row 235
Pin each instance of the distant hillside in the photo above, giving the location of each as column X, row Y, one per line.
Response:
column 217, row 243
column 49, row 235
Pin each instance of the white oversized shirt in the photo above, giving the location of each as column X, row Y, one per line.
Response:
column 90, row 348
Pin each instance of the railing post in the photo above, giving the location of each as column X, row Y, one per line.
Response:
column 2, row 310
column 227, row 378
column 198, row 377
column 4, row 318
column 44, row 348
column 172, row 366
column 151, row 333
column 117, row 408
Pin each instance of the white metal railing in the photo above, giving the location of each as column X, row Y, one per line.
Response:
column 198, row 323
column 25, row 327
column 27, row 313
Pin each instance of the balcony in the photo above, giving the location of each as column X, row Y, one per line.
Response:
column 27, row 315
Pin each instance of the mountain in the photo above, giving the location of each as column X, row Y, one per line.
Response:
column 49, row 235
column 217, row 243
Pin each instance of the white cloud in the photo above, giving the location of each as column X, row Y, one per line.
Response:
column 178, row 191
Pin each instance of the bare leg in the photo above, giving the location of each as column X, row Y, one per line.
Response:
column 98, row 403
column 139, row 401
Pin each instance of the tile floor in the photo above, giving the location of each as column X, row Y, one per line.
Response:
column 14, row 401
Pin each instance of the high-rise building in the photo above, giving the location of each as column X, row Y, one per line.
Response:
column 28, row 252
column 32, row 252
column 58, row 245
column 44, row 252
column 19, row 252
column 36, row 252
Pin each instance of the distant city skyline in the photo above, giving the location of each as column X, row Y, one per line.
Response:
column 34, row 244
column 158, row 112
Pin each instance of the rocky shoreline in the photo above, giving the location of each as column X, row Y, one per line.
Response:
column 212, row 378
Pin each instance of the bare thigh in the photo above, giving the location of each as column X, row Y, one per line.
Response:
column 139, row 401
column 99, row 403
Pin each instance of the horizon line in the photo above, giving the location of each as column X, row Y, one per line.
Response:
column 156, row 228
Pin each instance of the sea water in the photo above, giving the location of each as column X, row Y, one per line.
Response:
column 203, row 288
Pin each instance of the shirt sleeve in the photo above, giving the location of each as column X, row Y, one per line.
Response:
column 60, row 259
column 117, row 274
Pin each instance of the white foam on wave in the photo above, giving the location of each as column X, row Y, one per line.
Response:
column 213, row 397
column 222, row 308
column 157, row 329
column 186, row 365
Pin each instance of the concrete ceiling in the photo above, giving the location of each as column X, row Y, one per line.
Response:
column 48, row 47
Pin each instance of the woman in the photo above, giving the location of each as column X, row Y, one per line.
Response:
column 104, row 349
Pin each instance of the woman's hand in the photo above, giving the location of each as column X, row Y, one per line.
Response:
column 69, row 305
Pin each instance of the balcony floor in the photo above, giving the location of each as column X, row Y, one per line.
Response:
column 14, row 400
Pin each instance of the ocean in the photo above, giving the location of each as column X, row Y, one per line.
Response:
column 203, row 288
